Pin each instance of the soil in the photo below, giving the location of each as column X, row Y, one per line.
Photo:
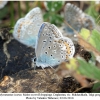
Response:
column 18, row 76
column 20, row 59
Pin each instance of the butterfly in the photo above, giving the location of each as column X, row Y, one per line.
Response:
column 77, row 19
column 26, row 28
column 52, row 47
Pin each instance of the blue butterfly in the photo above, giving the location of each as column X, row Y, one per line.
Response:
column 77, row 19
column 52, row 48
column 26, row 28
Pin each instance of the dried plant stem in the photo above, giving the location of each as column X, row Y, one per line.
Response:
column 79, row 89
column 98, row 19
column 6, row 51
column 85, row 44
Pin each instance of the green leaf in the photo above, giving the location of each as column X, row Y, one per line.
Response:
column 49, row 5
column 93, row 38
column 89, row 70
column 46, row 16
column 92, row 59
column 54, row 6
column 56, row 19
column 92, row 11
column 53, row 15
column 85, row 33
column 80, row 66
column 53, row 18
column 96, row 88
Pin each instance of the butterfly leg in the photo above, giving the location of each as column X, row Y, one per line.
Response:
column 52, row 69
column 44, row 70
column 54, row 72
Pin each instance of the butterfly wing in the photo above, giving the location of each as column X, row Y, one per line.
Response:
column 34, row 12
column 46, row 34
column 89, row 22
column 73, row 16
column 70, row 48
column 26, row 29
column 50, row 49
column 77, row 19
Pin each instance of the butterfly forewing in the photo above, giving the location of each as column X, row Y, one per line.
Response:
column 77, row 19
column 26, row 29
column 46, row 36
column 34, row 12
column 73, row 16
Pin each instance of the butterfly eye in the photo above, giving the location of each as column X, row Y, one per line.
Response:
column 34, row 59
